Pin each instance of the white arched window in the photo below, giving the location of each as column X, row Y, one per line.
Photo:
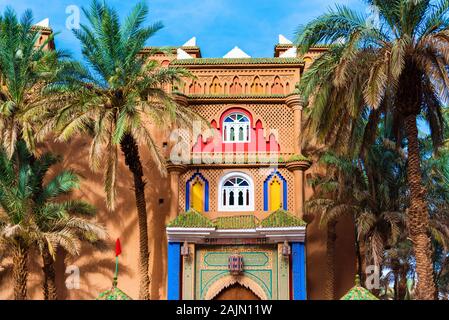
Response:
column 236, row 192
column 236, row 128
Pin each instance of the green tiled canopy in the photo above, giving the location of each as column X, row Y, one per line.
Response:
column 359, row 293
column 191, row 219
column 236, row 222
column 194, row 219
column 114, row 293
column 212, row 61
column 282, row 219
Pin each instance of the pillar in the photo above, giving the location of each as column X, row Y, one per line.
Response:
column 283, row 274
column 188, row 274
column 298, row 166
column 296, row 104
column 174, row 271
column 299, row 271
column 174, row 171
column 298, row 176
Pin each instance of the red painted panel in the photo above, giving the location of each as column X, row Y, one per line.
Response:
column 258, row 141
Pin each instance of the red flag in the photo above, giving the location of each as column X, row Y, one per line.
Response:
column 118, row 248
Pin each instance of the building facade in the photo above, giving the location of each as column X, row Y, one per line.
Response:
column 236, row 223
column 228, row 221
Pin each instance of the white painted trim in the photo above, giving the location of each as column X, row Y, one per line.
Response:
column 192, row 235
column 43, row 23
column 190, row 43
column 284, row 40
column 245, row 176
column 236, row 52
column 181, row 54
column 226, row 125
column 175, row 229
column 290, row 53
column 281, row 229
column 273, row 235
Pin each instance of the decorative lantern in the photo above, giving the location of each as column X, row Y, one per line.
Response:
column 286, row 250
column 185, row 249
column 235, row 264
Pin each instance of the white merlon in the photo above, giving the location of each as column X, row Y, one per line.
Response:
column 44, row 23
column 181, row 54
column 190, row 43
column 290, row 53
column 284, row 40
column 236, row 53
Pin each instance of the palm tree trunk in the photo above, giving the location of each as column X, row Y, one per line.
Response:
column 49, row 283
column 418, row 215
column 20, row 272
column 402, row 285
column 330, row 252
column 396, row 281
column 130, row 150
column 358, row 253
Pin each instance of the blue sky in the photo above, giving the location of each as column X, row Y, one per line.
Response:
column 219, row 25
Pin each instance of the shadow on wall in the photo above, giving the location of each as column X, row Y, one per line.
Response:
column 345, row 258
column 97, row 265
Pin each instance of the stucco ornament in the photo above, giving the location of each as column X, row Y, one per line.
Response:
column 230, row 280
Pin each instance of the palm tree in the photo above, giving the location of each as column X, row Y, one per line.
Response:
column 60, row 223
column 383, row 201
column 333, row 198
column 374, row 202
column 24, row 69
column 398, row 260
column 436, row 179
column 31, row 215
column 117, row 103
column 396, row 67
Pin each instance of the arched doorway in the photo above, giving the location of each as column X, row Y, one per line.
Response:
column 236, row 292
column 235, row 288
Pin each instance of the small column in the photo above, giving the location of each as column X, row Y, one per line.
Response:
column 174, row 271
column 188, row 274
column 299, row 271
column 298, row 164
column 174, row 171
column 298, row 167
column 296, row 103
column 283, row 274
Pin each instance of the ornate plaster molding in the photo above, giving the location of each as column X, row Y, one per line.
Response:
column 227, row 281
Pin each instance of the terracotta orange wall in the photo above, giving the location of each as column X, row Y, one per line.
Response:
column 97, row 265
column 345, row 266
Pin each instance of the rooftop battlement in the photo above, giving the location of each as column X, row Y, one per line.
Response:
column 285, row 52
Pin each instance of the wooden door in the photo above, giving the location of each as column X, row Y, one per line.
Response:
column 236, row 292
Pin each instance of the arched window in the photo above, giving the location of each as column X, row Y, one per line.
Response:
column 165, row 63
column 236, row 128
column 257, row 87
column 277, row 87
column 215, row 87
column 197, row 193
column 236, row 87
column 195, row 88
column 198, row 196
column 275, row 192
column 236, row 193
